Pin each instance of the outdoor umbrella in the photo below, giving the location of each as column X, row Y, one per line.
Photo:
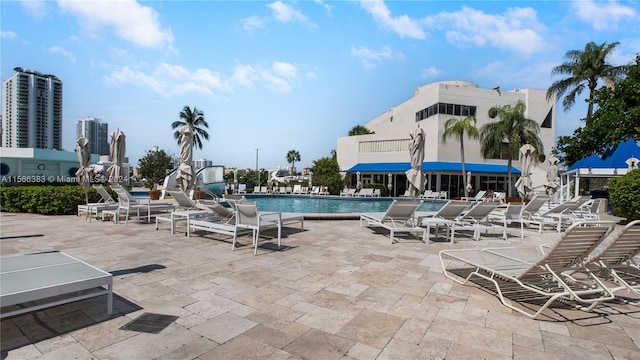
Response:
column 310, row 176
column 523, row 185
column 469, row 186
column 416, row 152
column 552, row 175
column 85, row 171
column 118, row 149
column 185, row 175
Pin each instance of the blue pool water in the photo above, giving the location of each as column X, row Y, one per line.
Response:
column 329, row 204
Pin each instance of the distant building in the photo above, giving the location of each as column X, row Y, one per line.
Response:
column 200, row 163
column 32, row 110
column 97, row 132
column 383, row 157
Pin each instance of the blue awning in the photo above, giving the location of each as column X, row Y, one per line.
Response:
column 433, row 166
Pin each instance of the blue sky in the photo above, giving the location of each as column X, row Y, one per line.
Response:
column 282, row 75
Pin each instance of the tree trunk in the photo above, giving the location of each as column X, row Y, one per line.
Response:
column 464, row 173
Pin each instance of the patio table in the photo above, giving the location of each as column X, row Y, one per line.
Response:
column 37, row 281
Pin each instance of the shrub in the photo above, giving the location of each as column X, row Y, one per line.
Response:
column 624, row 195
column 44, row 199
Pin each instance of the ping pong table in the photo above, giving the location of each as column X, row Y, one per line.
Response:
column 37, row 281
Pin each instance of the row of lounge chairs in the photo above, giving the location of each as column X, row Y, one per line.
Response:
column 126, row 205
column 364, row 192
column 459, row 216
column 588, row 265
column 296, row 189
column 240, row 217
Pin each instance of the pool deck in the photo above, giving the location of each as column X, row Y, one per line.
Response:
column 334, row 291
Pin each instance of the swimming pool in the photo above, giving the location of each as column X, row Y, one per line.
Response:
column 330, row 204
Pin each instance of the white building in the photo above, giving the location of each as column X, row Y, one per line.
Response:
column 97, row 132
column 32, row 110
column 385, row 152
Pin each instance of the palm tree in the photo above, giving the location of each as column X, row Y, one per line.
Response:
column 194, row 119
column 584, row 69
column 292, row 157
column 515, row 128
column 456, row 128
column 360, row 130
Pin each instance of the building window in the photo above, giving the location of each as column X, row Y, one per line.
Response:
column 446, row 109
column 547, row 120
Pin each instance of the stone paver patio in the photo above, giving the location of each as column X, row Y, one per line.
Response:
column 335, row 291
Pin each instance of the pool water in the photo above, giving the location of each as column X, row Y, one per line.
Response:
column 330, row 205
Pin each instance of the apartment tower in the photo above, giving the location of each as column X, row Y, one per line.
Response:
column 97, row 132
column 32, row 110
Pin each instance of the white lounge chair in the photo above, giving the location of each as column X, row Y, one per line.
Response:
column 242, row 189
column 427, row 194
column 615, row 261
column 506, row 216
column 473, row 218
column 248, row 217
column 478, row 197
column 365, row 192
column 443, row 217
column 94, row 209
column 530, row 212
column 348, row 192
column 399, row 217
column 127, row 204
column 535, row 277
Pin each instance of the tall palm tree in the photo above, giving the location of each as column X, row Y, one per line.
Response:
column 584, row 69
column 457, row 128
column 360, row 130
column 292, row 157
column 514, row 127
column 194, row 119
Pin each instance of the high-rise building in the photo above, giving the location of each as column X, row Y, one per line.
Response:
column 97, row 132
column 32, row 110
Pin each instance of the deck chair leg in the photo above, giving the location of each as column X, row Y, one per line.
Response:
column 256, row 237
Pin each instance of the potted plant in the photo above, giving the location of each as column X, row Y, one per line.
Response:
column 153, row 168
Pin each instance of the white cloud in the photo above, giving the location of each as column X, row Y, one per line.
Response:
column 171, row 80
column 252, row 23
column 603, row 15
column 285, row 13
column 35, row 8
column 370, row 57
column 244, row 75
column 63, row 52
column 175, row 80
column 517, row 29
column 326, row 7
column 285, row 70
column 130, row 21
column 430, row 72
column 403, row 25
column 8, row 35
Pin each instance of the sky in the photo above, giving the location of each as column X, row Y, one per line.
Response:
column 291, row 75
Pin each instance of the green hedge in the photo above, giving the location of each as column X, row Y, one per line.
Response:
column 44, row 199
column 624, row 195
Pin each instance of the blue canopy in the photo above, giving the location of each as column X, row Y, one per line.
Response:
column 591, row 161
column 614, row 160
column 624, row 151
column 432, row 166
